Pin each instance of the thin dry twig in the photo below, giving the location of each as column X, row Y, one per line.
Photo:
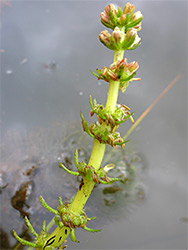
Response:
column 151, row 106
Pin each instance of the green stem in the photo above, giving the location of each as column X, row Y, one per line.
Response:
column 83, row 194
column 112, row 95
column 114, row 85
column 98, row 148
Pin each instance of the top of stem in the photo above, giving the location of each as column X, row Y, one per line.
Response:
column 112, row 17
column 124, row 23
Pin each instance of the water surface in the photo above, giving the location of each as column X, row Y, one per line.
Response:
column 49, row 50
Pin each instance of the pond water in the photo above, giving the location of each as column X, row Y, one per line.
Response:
column 47, row 52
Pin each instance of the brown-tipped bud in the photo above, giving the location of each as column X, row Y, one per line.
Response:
column 117, row 34
column 109, row 15
column 132, row 37
column 138, row 26
column 129, row 9
column 112, row 75
column 137, row 16
column 104, row 71
column 106, row 20
column 104, row 17
column 133, row 66
column 122, row 64
column 104, row 37
column 123, row 18
column 131, row 33
column 111, row 9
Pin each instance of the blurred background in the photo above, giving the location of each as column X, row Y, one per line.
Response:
column 48, row 49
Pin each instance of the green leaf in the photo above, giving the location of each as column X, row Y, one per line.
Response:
column 76, row 162
column 22, row 241
column 85, row 125
column 73, row 236
column 120, row 143
column 112, row 180
column 91, row 230
column 94, row 74
column 31, row 229
column 68, row 171
column 45, row 205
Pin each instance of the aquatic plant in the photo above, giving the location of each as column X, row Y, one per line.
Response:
column 125, row 24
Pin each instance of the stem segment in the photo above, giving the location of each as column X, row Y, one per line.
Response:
column 83, row 194
column 98, row 148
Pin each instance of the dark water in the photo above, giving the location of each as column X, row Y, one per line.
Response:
column 48, row 50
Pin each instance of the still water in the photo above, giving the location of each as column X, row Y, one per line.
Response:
column 47, row 52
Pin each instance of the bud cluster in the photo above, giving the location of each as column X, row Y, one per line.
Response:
column 102, row 133
column 119, row 40
column 112, row 17
column 124, row 23
column 71, row 220
column 68, row 220
column 89, row 173
column 120, row 71
column 120, row 115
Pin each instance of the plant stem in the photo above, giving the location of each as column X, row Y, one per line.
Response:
column 83, row 194
column 114, row 85
column 98, row 148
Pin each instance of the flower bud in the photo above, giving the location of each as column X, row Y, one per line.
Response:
column 109, row 16
column 112, row 75
column 130, row 34
column 123, row 18
column 137, row 17
column 131, row 39
column 104, row 70
column 104, row 37
column 136, row 41
column 129, row 9
column 117, row 34
column 104, row 17
column 122, row 63
column 138, row 26
column 121, row 68
column 133, row 66
column 110, row 9
column 135, row 21
column 106, row 20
